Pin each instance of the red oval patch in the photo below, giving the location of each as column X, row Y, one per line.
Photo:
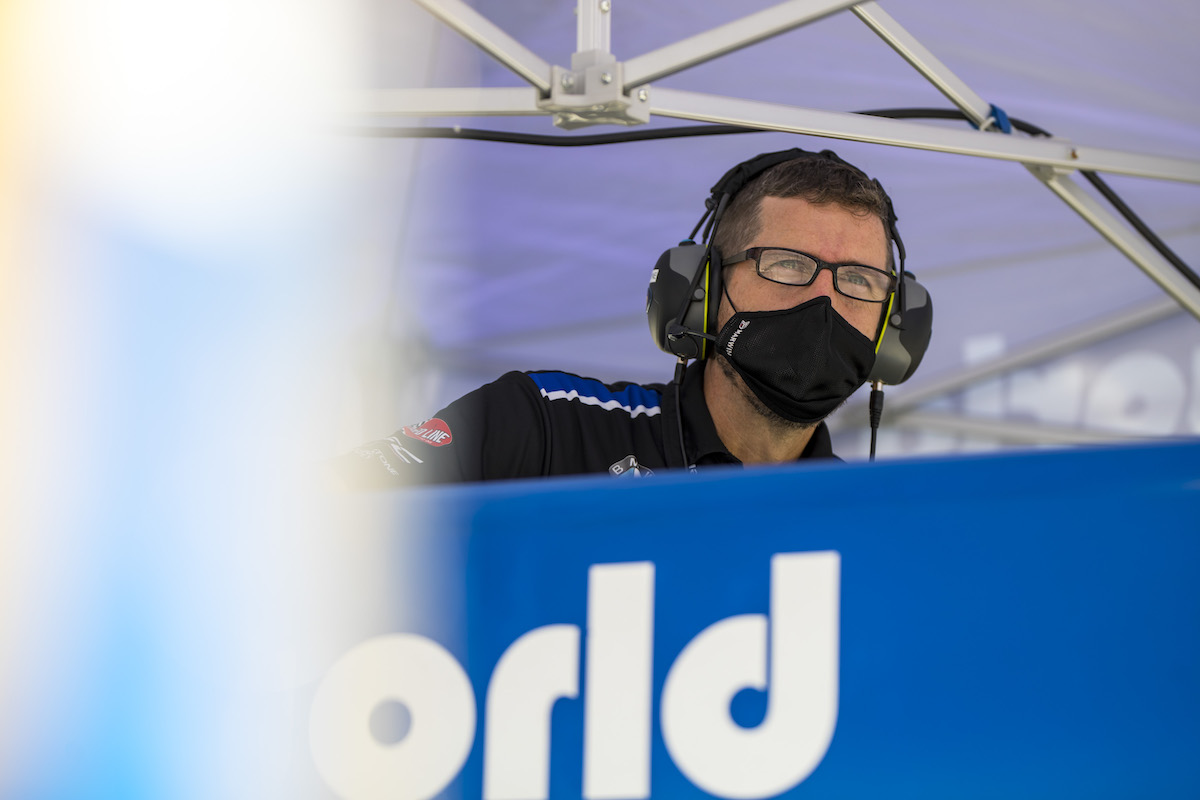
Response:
column 433, row 432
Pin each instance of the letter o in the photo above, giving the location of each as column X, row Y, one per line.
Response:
column 422, row 675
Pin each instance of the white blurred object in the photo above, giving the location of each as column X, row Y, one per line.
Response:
column 189, row 238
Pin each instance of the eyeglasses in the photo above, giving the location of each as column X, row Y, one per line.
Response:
column 793, row 268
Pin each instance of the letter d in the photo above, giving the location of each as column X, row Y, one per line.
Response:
column 712, row 750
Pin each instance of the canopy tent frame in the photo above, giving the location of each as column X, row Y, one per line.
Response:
column 597, row 89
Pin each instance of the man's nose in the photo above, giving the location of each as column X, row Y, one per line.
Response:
column 822, row 284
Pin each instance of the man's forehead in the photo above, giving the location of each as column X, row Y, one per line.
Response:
column 798, row 219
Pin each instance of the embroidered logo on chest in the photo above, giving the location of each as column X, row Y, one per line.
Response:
column 629, row 466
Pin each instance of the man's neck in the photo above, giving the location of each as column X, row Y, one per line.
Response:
column 750, row 436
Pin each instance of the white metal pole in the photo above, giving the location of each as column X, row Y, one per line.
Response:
column 593, row 25
column 1054, row 152
column 1124, row 238
column 726, row 38
column 975, row 107
column 491, row 39
column 464, row 102
column 1011, row 431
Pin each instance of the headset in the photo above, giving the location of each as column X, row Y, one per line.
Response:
column 685, row 286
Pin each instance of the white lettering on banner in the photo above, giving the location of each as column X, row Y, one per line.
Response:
column 800, row 633
column 801, row 680
column 620, row 671
column 535, row 671
column 423, row 676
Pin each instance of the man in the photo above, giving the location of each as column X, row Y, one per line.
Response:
column 802, row 273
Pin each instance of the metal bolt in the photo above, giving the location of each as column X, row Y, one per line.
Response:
column 605, row 5
column 605, row 77
column 643, row 95
column 568, row 81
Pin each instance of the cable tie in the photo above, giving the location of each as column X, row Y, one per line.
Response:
column 996, row 115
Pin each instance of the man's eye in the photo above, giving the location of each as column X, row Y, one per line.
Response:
column 856, row 277
column 791, row 264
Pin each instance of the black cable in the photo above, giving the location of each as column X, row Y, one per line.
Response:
column 876, row 412
column 1141, row 227
column 680, row 366
column 550, row 139
column 696, row 229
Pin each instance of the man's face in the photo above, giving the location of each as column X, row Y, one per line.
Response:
column 829, row 232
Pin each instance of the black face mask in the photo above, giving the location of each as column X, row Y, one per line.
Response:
column 801, row 362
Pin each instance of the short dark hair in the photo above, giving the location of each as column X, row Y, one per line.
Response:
column 819, row 180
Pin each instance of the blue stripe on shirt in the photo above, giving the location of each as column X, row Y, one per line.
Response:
column 633, row 399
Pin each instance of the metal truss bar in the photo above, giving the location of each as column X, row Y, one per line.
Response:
column 1059, row 344
column 469, row 102
column 593, row 25
column 1124, row 238
column 726, row 38
column 925, row 62
column 1009, row 431
column 1052, row 152
column 977, row 109
column 491, row 39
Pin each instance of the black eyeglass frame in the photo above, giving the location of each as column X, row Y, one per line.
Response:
column 755, row 254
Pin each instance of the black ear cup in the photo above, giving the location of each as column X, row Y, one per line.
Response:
column 907, row 335
column 681, row 299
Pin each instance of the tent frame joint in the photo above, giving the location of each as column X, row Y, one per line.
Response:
column 590, row 93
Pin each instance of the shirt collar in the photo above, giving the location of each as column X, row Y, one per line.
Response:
column 701, row 442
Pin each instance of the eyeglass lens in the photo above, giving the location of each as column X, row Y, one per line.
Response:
column 852, row 280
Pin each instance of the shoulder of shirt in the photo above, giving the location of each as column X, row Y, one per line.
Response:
column 633, row 399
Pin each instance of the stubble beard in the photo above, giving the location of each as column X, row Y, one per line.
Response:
column 777, row 422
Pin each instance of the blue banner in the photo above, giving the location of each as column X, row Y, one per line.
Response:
column 1021, row 625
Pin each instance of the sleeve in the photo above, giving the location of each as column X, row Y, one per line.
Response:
column 500, row 430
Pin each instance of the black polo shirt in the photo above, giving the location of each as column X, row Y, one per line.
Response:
column 531, row 424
